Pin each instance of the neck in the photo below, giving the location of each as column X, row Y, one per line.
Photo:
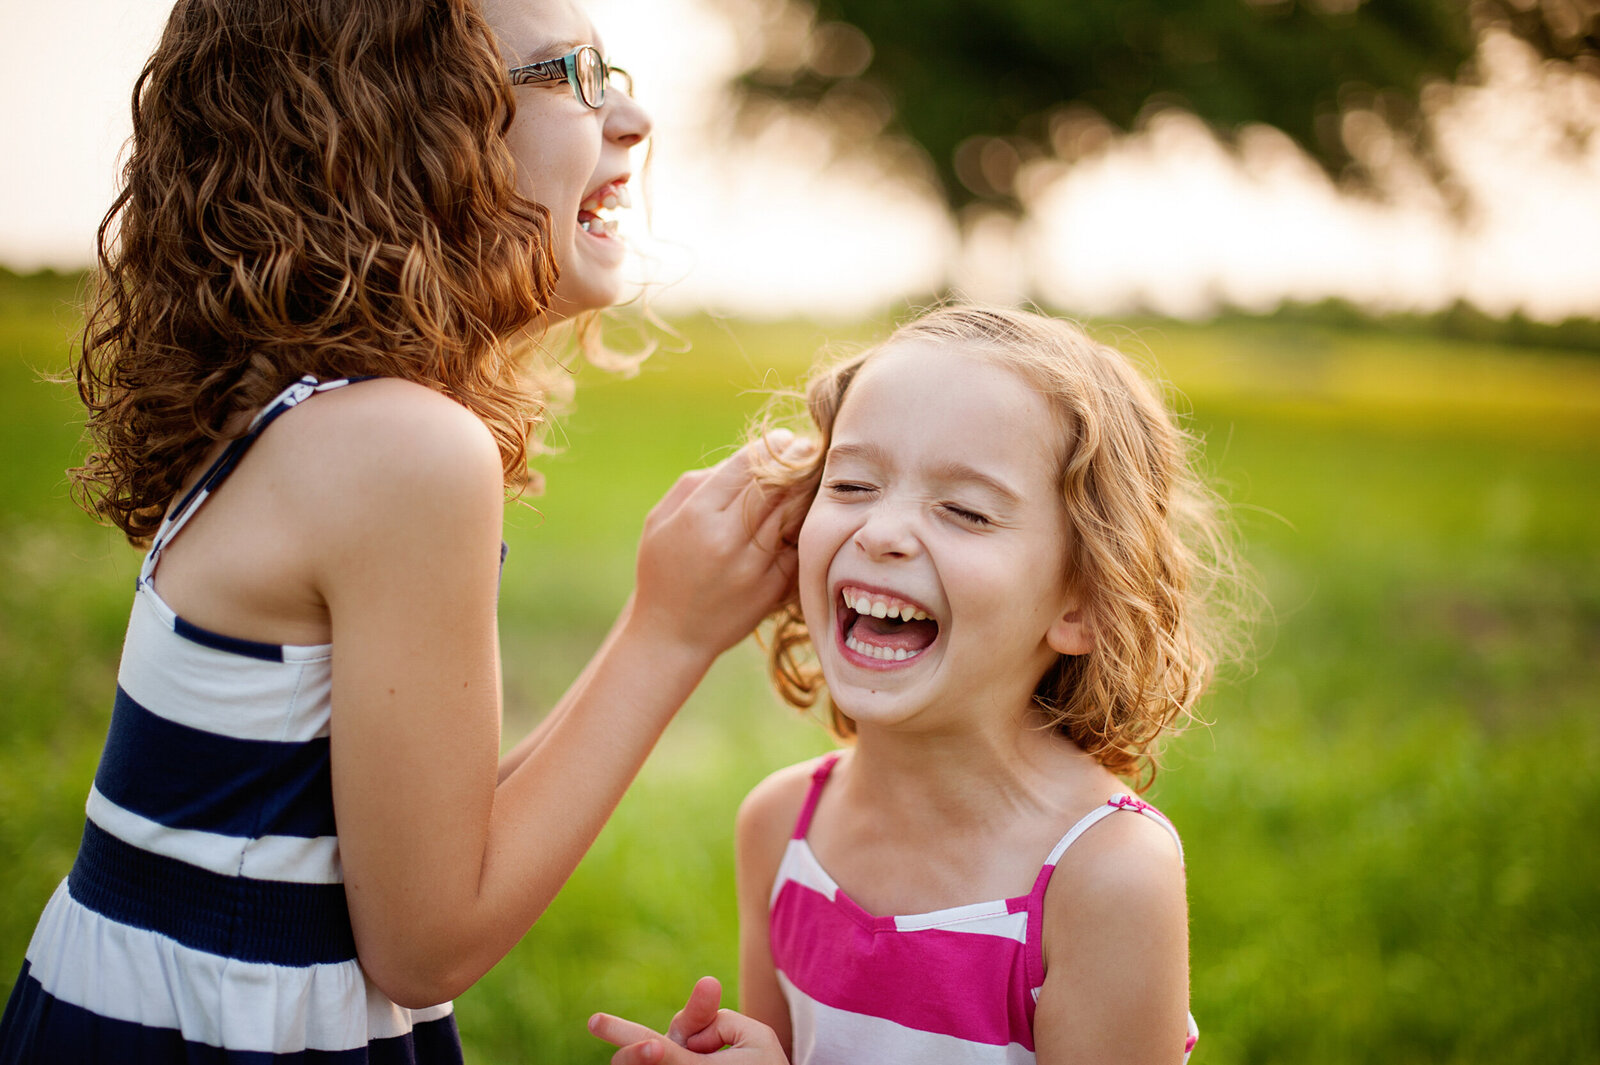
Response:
column 968, row 776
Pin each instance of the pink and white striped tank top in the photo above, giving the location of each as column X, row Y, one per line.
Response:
column 952, row 986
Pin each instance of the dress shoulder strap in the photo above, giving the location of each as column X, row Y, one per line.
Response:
column 1034, row 952
column 224, row 463
column 819, row 778
column 1105, row 810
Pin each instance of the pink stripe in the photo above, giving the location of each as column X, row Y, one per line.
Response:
column 1034, row 951
column 819, row 777
column 952, row 983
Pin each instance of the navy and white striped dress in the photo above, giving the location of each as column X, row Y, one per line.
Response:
column 204, row 919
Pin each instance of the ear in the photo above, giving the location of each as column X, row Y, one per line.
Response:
column 1069, row 633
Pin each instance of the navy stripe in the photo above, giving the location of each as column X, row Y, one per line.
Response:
column 185, row 777
column 39, row 1029
column 267, row 652
column 271, row 921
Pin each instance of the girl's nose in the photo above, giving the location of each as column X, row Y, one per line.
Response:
column 887, row 534
column 627, row 123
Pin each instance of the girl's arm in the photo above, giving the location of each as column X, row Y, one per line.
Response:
column 757, row 509
column 446, row 865
column 761, row 835
column 1116, row 941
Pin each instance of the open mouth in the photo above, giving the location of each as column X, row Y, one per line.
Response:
column 883, row 627
column 593, row 217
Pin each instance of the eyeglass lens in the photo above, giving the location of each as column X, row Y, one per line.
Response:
column 591, row 76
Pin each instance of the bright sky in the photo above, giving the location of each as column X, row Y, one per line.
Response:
column 787, row 223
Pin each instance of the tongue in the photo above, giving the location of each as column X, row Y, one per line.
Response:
column 881, row 632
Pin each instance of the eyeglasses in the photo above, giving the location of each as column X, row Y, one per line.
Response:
column 588, row 73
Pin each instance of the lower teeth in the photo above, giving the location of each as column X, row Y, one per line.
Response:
column 884, row 654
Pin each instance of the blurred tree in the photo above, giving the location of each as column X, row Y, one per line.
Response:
column 985, row 85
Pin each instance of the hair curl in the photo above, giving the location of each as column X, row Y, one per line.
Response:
column 1152, row 556
column 313, row 187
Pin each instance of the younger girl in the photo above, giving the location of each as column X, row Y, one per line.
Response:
column 302, row 840
column 1003, row 581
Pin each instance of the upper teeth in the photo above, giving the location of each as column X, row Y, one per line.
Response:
column 607, row 198
column 878, row 607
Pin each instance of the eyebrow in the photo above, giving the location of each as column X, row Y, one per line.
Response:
column 552, row 50
column 948, row 472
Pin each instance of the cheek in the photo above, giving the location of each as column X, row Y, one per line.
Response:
column 553, row 166
column 817, row 546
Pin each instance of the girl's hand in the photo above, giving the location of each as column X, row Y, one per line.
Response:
column 715, row 556
column 699, row 1030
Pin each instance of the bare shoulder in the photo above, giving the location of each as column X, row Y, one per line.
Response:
column 767, row 815
column 401, row 426
column 385, row 450
column 776, row 801
column 1124, row 859
column 1118, row 893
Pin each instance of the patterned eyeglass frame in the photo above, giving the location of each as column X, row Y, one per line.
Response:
column 565, row 68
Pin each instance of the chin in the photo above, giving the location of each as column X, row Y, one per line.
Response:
column 591, row 295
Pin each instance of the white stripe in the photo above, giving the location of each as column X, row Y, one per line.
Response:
column 297, row 859
column 131, row 974
column 217, row 691
column 800, row 865
column 824, row 1035
column 980, row 918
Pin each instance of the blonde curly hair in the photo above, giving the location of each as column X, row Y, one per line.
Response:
column 313, row 187
column 1152, row 556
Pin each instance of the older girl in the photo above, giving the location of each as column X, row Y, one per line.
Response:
column 338, row 217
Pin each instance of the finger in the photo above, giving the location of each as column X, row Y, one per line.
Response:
column 657, row 1050
column 617, row 1031
column 778, row 442
column 680, row 491
column 731, row 476
column 780, row 525
column 798, row 449
column 736, row 1030
column 699, row 1012
column 649, row 1052
column 785, row 502
column 756, row 507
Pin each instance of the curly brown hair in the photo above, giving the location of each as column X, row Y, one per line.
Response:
column 313, row 187
column 1151, row 556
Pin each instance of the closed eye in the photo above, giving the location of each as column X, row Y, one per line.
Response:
column 970, row 517
column 847, row 488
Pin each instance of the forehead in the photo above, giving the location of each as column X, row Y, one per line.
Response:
column 538, row 29
column 947, row 396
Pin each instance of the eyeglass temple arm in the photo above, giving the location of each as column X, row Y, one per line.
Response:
column 544, row 70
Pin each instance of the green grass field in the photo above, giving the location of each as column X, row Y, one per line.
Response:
column 1391, row 824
